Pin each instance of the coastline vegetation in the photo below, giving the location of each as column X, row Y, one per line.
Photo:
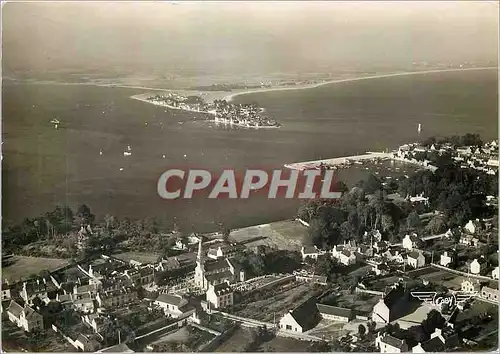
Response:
column 457, row 194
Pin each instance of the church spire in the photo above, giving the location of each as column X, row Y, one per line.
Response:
column 199, row 259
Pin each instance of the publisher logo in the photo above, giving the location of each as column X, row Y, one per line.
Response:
column 449, row 300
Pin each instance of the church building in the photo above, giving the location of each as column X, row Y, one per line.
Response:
column 216, row 271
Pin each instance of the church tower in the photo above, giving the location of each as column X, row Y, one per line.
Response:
column 199, row 273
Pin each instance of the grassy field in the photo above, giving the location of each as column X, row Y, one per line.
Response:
column 284, row 344
column 144, row 258
column 188, row 339
column 286, row 234
column 20, row 266
column 15, row 339
column 237, row 342
column 328, row 330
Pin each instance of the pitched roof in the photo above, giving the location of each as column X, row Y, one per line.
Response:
column 414, row 255
column 346, row 253
column 170, row 299
column 310, row 249
column 15, row 309
column 119, row 348
column 334, row 311
column 217, row 276
column 85, row 288
column 393, row 296
column 220, row 263
column 433, row 345
column 306, row 314
column 83, row 301
column 29, row 312
column 392, row 341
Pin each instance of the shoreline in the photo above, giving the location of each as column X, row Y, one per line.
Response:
column 228, row 96
column 231, row 96
column 140, row 97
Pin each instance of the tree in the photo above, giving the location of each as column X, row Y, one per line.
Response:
column 372, row 184
column 317, row 232
column 225, row 234
column 387, row 222
column 437, row 225
column 371, row 326
column 413, row 221
column 433, row 320
column 361, row 331
column 110, row 221
column 84, row 216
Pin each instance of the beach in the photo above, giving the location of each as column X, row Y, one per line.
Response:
column 233, row 95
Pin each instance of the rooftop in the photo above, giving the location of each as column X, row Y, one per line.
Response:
column 334, row 311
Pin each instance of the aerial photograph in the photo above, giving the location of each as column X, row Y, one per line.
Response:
column 250, row 176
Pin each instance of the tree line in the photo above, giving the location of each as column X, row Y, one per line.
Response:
column 458, row 193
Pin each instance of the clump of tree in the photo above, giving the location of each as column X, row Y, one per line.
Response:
column 274, row 262
column 363, row 208
column 459, row 193
column 468, row 139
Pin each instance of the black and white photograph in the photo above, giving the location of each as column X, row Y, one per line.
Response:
column 249, row 176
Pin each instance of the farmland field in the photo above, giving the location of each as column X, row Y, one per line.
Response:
column 276, row 304
column 286, row 234
column 16, row 267
column 237, row 342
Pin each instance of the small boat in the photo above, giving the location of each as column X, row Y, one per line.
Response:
column 126, row 153
column 129, row 148
column 56, row 122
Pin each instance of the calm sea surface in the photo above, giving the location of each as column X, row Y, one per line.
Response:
column 44, row 167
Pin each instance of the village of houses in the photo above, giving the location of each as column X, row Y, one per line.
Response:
column 113, row 303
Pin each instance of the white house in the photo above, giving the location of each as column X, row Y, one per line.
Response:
column 337, row 250
column 492, row 162
column 303, row 318
column 446, row 259
column 310, row 251
column 494, row 273
column 334, row 313
column 411, row 241
column 380, row 269
column 191, row 240
column 477, row 266
column 394, row 256
column 470, row 286
column 84, row 305
column 388, row 309
column 489, row 293
column 26, row 318
column 6, row 295
column 470, row 227
column 172, row 305
column 220, row 296
column 468, row 240
column 416, row 259
column 347, row 258
column 389, row 344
